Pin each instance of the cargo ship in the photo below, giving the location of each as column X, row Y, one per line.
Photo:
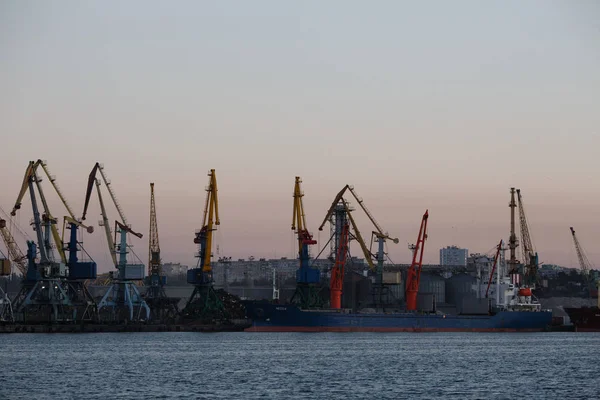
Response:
column 269, row 317
column 585, row 319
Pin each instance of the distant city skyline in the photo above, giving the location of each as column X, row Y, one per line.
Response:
column 442, row 107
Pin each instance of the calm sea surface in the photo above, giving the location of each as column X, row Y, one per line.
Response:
column 303, row 365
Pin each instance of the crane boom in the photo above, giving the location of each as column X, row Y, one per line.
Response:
column 112, row 194
column 379, row 230
column 24, row 186
column 366, row 252
column 52, row 180
column 526, row 243
column 14, row 252
column 105, row 223
column 530, row 256
column 211, row 218
column 487, row 290
column 29, row 178
column 153, row 243
column 371, row 217
column 414, row 271
column 584, row 263
column 337, row 273
column 53, row 221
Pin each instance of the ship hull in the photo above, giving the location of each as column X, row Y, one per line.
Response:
column 268, row 317
column 585, row 319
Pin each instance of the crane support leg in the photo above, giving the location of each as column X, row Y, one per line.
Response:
column 123, row 302
column 204, row 305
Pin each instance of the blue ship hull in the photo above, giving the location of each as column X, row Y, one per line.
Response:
column 269, row 317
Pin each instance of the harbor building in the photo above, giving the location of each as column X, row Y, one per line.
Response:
column 453, row 255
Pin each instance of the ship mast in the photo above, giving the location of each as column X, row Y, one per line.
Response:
column 513, row 263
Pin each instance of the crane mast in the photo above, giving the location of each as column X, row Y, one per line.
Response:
column 154, row 263
column 337, row 273
column 162, row 307
column 414, row 272
column 204, row 303
column 513, row 263
column 307, row 293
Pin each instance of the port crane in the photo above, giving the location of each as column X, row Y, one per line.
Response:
column 494, row 266
column 162, row 308
column 337, row 273
column 414, row 271
column 122, row 301
column 530, row 256
column 51, row 290
column 307, row 293
column 378, row 235
column 584, row 263
column 204, row 303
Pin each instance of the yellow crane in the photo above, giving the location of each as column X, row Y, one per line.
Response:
column 307, row 278
column 204, row 302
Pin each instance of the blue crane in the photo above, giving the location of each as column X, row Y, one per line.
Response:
column 204, row 303
column 122, row 301
column 47, row 293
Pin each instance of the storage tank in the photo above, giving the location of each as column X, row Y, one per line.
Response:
column 397, row 292
column 459, row 287
column 433, row 284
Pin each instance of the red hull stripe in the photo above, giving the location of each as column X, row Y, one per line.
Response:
column 373, row 329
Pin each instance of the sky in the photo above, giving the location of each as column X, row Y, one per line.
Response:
column 419, row 105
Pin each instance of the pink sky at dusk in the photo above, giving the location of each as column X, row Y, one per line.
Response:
column 418, row 106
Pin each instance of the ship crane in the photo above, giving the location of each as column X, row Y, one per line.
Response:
column 51, row 290
column 414, row 271
column 379, row 290
column 584, row 263
column 530, row 256
column 204, row 303
column 161, row 307
column 494, row 266
column 122, row 301
column 513, row 243
column 307, row 293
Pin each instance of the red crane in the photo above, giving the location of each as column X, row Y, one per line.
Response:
column 493, row 268
column 414, row 272
column 337, row 273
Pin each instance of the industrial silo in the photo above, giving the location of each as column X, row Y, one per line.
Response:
column 459, row 287
column 433, row 284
